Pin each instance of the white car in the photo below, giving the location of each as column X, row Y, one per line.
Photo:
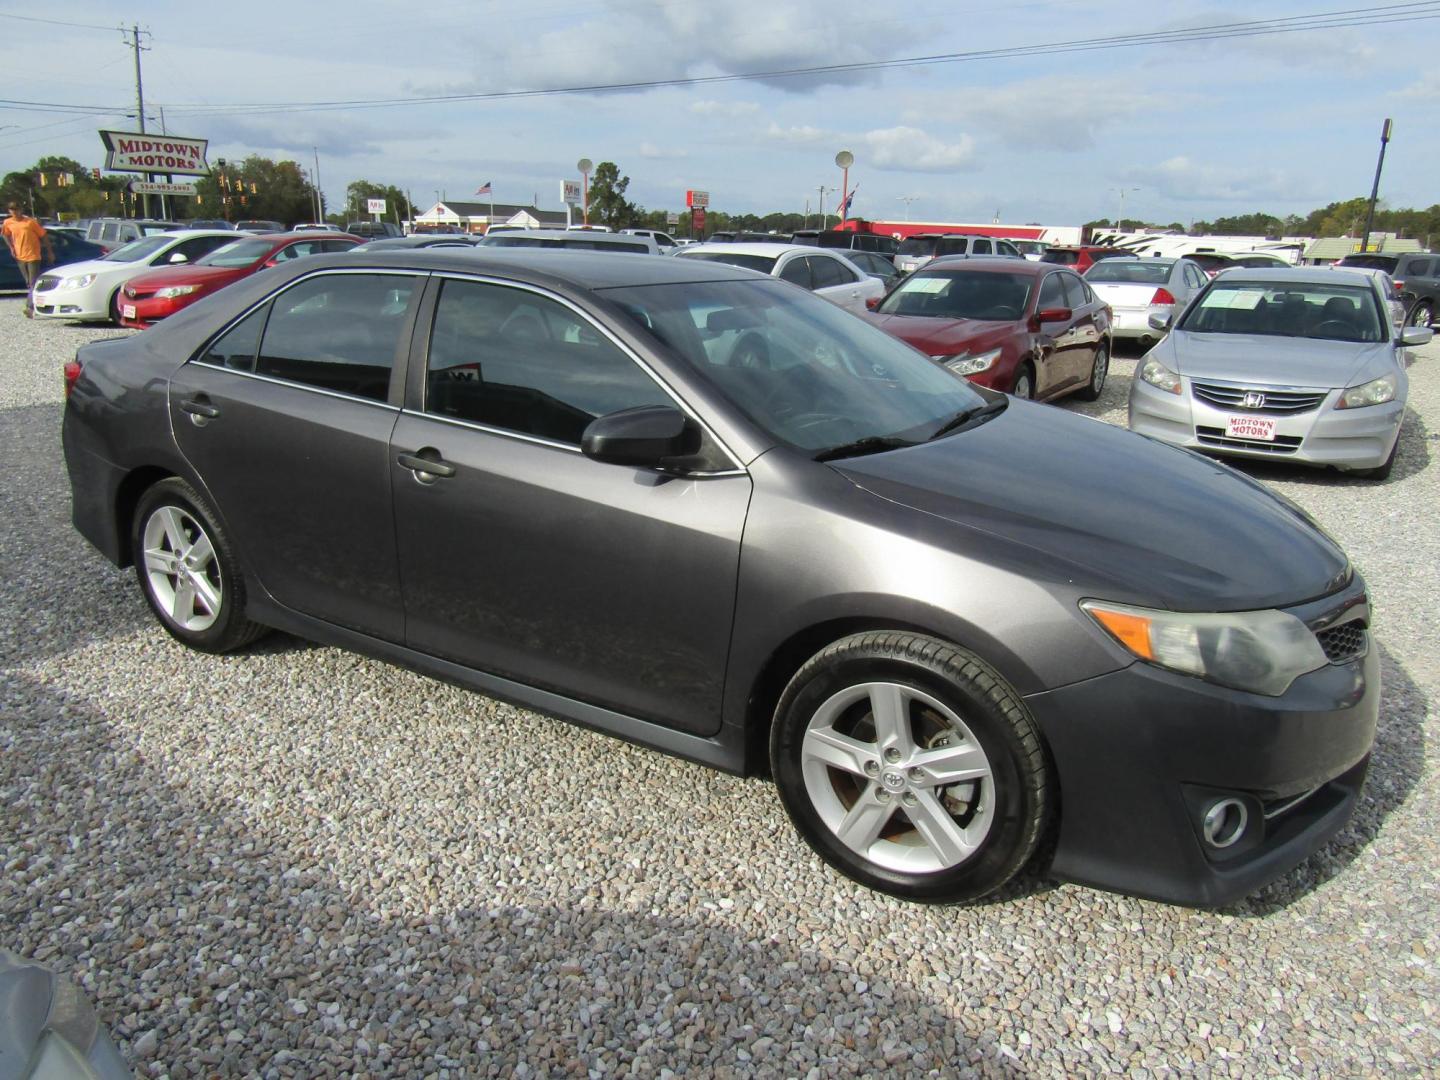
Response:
column 89, row 291
column 1137, row 288
column 666, row 242
column 828, row 274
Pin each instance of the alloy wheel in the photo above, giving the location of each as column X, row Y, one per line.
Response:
column 898, row 777
column 181, row 569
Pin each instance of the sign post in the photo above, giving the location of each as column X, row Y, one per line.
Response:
column 585, row 165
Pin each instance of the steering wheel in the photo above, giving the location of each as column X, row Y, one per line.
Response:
column 751, row 351
column 1330, row 327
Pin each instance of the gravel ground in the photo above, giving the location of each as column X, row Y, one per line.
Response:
column 299, row 862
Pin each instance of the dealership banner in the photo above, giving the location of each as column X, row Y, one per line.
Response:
column 131, row 151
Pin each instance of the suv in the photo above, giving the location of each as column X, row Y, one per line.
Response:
column 373, row 230
column 915, row 251
column 1416, row 276
column 664, row 240
column 858, row 241
column 112, row 232
column 1080, row 258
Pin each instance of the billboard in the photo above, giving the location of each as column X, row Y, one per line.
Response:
column 132, row 151
column 375, row 206
column 697, row 200
column 570, row 192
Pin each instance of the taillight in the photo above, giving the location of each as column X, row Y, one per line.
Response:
column 1162, row 296
column 72, row 375
column 1400, row 286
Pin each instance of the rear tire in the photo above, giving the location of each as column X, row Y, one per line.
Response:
column 1098, row 372
column 912, row 767
column 1422, row 314
column 188, row 571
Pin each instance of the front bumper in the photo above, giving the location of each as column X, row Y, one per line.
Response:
column 1142, row 753
column 150, row 309
column 91, row 302
column 1344, row 438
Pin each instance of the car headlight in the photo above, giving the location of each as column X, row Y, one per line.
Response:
column 1158, row 375
column 77, row 282
column 1375, row 392
column 965, row 364
column 1260, row 651
column 175, row 290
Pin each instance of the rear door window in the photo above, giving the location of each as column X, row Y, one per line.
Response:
column 830, row 272
column 338, row 332
column 982, row 247
column 236, row 348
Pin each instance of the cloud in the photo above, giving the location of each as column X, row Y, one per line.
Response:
column 1426, row 88
column 656, row 153
column 1050, row 113
column 724, row 108
column 1185, row 180
column 618, row 44
column 908, row 149
column 801, row 134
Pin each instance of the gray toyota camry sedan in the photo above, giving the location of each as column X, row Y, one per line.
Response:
column 703, row 510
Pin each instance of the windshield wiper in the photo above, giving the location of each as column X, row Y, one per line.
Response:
column 871, row 444
column 972, row 415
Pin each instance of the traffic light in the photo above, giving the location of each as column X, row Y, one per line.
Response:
column 95, row 174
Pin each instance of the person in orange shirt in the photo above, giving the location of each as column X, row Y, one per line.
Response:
column 23, row 236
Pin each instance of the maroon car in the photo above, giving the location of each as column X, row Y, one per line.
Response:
column 147, row 299
column 1032, row 329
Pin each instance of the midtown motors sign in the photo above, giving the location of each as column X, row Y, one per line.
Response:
column 130, row 151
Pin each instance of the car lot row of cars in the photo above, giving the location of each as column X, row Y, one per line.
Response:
column 1268, row 377
column 863, row 570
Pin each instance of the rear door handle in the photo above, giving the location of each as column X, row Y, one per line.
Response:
column 427, row 470
column 195, row 407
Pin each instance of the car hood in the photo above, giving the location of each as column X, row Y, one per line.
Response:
column 1268, row 360
column 1119, row 516
column 188, row 275
column 89, row 266
column 940, row 337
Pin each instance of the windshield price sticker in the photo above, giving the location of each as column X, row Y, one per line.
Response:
column 1255, row 428
column 1235, row 299
column 927, row 284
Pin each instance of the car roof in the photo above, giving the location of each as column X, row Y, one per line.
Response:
column 759, row 248
column 986, row 262
column 1321, row 275
column 1148, row 260
column 579, row 268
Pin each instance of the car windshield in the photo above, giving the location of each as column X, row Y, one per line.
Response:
column 136, row 250
column 1059, row 257
column 807, row 372
column 763, row 263
column 835, row 240
column 1126, row 270
column 237, row 253
column 918, row 245
column 1370, row 262
column 960, row 294
column 1287, row 309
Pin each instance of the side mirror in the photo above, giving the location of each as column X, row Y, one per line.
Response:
column 872, row 302
column 1416, row 335
column 646, row 436
column 178, row 257
column 1056, row 314
column 1161, row 320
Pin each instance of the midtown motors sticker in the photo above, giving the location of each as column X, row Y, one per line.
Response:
column 131, row 151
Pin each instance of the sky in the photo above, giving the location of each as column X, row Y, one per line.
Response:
column 1183, row 131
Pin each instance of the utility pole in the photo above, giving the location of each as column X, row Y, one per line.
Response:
column 1120, row 221
column 1385, row 130
column 907, row 200
column 823, row 192
column 319, row 199
column 134, row 35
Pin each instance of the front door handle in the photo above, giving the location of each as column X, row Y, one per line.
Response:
column 426, row 469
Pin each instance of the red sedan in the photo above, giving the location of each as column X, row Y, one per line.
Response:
column 1033, row 329
column 147, row 299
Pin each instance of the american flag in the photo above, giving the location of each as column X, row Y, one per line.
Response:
column 483, row 189
column 845, row 202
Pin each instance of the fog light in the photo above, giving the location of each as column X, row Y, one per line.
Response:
column 1224, row 822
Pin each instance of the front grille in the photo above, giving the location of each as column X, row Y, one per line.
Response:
column 46, row 282
column 1214, row 436
column 1277, row 402
column 1343, row 642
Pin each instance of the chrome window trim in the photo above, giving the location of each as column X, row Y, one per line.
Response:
column 196, row 357
column 580, row 313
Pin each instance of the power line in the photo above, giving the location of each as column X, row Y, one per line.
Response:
column 55, row 22
column 1337, row 19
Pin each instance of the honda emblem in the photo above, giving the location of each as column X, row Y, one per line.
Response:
column 1254, row 399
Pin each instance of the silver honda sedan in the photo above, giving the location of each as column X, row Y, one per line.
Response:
column 1297, row 364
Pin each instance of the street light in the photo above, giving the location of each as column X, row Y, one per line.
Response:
column 584, row 165
column 907, row 200
column 1121, row 191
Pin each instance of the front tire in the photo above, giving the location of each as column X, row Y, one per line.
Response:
column 911, row 766
column 188, row 571
column 1024, row 383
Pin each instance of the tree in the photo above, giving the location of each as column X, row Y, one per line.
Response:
column 608, row 205
column 395, row 202
column 256, row 188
